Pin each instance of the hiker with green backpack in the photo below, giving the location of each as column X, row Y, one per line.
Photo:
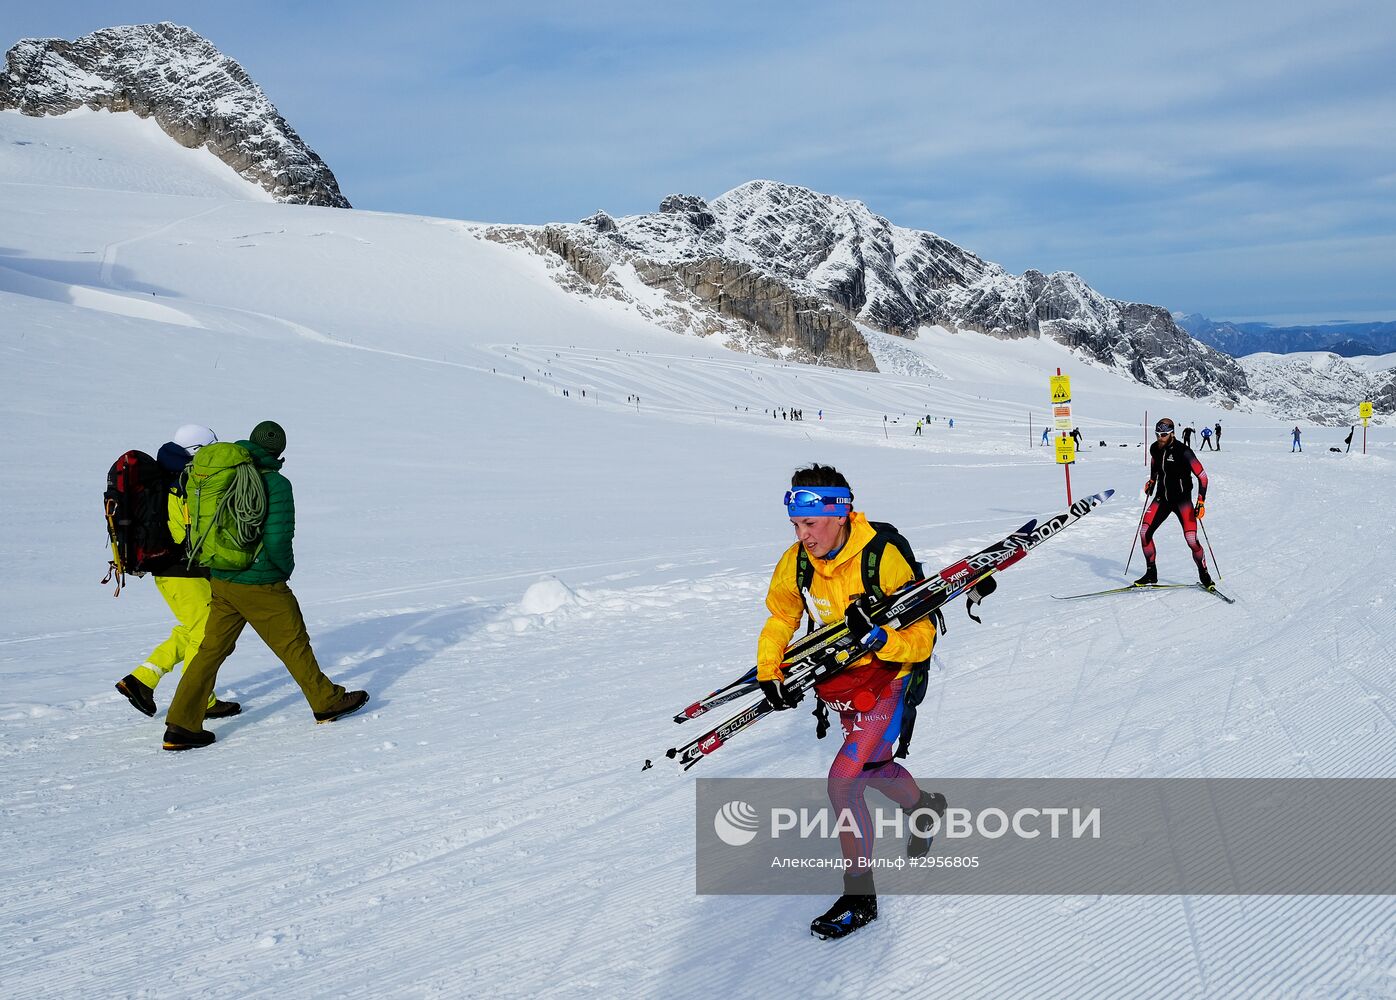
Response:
column 841, row 561
column 242, row 518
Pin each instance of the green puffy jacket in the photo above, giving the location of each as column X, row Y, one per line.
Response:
column 276, row 561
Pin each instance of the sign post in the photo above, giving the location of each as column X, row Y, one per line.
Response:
column 1060, row 386
column 1364, row 410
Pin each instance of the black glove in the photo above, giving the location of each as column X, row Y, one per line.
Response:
column 780, row 697
column 860, row 625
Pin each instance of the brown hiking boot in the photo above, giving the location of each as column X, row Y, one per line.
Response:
column 179, row 738
column 142, row 698
column 346, row 704
column 222, row 709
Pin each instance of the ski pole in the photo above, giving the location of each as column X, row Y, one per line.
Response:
column 1209, row 549
column 1136, row 535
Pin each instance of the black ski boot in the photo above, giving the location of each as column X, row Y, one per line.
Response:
column 1204, row 578
column 142, row 698
column 1149, row 578
column 222, row 709
column 179, row 738
column 917, row 845
column 855, row 908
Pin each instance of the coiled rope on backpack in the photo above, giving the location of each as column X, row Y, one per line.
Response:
column 246, row 501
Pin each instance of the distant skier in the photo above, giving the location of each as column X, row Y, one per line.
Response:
column 1172, row 466
column 829, row 552
column 1296, row 445
column 917, row 432
column 1046, row 433
column 1217, row 431
column 1076, row 436
column 1348, row 440
column 1188, row 432
column 1206, row 437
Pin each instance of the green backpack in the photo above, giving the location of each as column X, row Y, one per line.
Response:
column 227, row 507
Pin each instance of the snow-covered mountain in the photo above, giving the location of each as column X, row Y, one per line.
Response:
column 199, row 97
column 1321, row 387
column 797, row 270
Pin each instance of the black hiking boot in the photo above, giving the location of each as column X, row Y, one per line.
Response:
column 347, row 704
column 918, row 845
column 222, row 709
column 178, row 738
column 1149, row 578
column 856, row 908
column 1204, row 578
column 142, row 698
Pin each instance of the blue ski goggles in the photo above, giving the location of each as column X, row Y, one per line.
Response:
column 819, row 501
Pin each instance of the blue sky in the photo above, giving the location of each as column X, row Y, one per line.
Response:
column 1232, row 158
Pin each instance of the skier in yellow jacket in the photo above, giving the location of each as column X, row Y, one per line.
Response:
column 831, row 536
column 186, row 591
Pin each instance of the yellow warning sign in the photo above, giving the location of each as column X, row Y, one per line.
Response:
column 1066, row 450
column 1061, row 388
column 1364, row 410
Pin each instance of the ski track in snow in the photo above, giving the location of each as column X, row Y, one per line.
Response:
column 483, row 827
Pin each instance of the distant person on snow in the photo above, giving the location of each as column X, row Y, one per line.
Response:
column 257, row 595
column 1206, row 438
column 1295, row 445
column 917, row 432
column 1172, row 466
column 1046, row 433
column 1217, row 431
column 1188, row 432
column 1076, row 436
column 829, row 552
column 185, row 590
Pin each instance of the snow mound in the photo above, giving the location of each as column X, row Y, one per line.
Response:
column 548, row 596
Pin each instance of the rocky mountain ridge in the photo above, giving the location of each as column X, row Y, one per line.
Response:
column 810, row 267
column 199, row 97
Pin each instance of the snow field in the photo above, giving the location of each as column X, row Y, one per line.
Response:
column 531, row 584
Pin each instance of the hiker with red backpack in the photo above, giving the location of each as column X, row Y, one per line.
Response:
column 185, row 589
column 838, row 564
column 242, row 521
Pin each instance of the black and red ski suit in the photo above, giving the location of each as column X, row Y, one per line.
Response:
column 1171, row 469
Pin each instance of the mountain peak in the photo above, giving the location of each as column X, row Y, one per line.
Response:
column 198, row 95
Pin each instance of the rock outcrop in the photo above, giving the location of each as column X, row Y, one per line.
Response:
column 798, row 271
column 199, row 96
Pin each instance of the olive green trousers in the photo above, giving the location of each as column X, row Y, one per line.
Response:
column 274, row 614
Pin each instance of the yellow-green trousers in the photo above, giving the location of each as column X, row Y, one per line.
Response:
column 274, row 614
column 188, row 598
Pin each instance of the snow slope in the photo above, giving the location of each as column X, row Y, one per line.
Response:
column 531, row 583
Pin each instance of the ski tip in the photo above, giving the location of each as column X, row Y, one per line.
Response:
column 1106, row 495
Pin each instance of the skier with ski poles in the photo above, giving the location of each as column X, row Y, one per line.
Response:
column 826, row 575
column 1172, row 466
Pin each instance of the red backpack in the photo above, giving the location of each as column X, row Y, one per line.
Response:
column 136, row 506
